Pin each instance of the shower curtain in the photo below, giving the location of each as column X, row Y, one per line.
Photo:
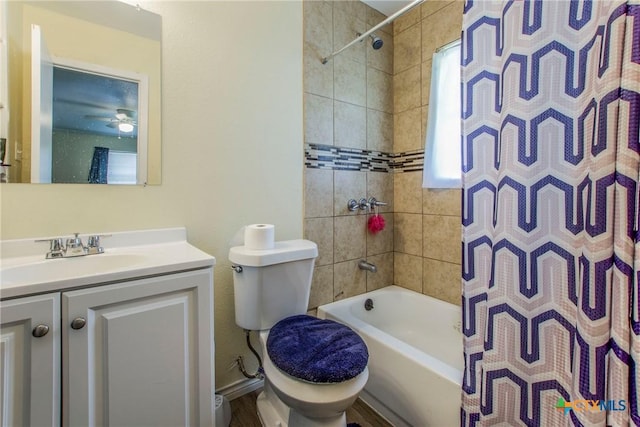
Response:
column 551, row 259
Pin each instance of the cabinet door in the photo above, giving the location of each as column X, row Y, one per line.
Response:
column 144, row 356
column 30, row 361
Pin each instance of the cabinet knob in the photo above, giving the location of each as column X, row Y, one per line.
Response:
column 78, row 323
column 40, row 331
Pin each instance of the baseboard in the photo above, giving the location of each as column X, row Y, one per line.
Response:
column 240, row 388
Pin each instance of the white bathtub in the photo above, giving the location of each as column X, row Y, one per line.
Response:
column 415, row 354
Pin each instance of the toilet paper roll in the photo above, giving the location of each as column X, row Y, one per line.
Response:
column 259, row 236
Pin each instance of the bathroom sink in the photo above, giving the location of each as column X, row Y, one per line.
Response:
column 24, row 270
column 52, row 269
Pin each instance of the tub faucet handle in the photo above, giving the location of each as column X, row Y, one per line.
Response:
column 373, row 202
column 354, row 205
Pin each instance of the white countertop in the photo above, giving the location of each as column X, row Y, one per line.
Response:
column 127, row 255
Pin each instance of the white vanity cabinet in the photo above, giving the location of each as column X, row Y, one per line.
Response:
column 135, row 353
column 30, row 361
column 119, row 338
column 139, row 353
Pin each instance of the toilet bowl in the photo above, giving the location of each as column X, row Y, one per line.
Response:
column 294, row 402
column 271, row 294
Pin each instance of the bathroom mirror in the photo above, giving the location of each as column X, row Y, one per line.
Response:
column 83, row 92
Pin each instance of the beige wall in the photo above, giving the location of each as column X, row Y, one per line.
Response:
column 427, row 239
column 231, row 148
column 348, row 103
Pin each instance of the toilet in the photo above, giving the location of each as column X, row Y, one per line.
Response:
column 314, row 368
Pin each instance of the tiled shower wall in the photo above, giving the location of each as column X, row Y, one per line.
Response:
column 365, row 114
column 427, row 239
column 348, row 105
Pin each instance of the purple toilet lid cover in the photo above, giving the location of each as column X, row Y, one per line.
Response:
column 316, row 350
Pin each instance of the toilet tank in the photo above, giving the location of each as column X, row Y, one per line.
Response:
column 273, row 284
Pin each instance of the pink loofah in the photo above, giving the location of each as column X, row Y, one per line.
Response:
column 375, row 223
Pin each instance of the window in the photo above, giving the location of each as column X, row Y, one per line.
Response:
column 121, row 168
column 442, row 159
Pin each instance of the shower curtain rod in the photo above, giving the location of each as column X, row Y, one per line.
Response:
column 380, row 25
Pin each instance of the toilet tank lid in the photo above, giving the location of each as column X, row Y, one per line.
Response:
column 284, row 251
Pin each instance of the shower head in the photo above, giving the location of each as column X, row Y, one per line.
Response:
column 376, row 42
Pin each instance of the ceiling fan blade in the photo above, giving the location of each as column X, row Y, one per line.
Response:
column 78, row 103
column 121, row 116
column 128, row 113
column 112, row 125
column 101, row 118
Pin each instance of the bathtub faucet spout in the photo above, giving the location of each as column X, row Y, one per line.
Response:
column 364, row 265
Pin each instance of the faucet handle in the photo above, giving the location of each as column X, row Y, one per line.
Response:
column 56, row 247
column 93, row 243
column 353, row 205
column 372, row 202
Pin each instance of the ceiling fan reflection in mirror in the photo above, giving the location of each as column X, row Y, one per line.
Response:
column 124, row 120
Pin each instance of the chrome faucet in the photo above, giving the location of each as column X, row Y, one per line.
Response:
column 73, row 247
column 364, row 204
column 364, row 265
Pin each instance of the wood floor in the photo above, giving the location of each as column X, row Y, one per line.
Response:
column 244, row 413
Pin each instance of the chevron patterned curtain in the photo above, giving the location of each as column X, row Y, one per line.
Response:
column 551, row 259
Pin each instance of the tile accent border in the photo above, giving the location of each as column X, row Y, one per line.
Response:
column 318, row 156
column 408, row 161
